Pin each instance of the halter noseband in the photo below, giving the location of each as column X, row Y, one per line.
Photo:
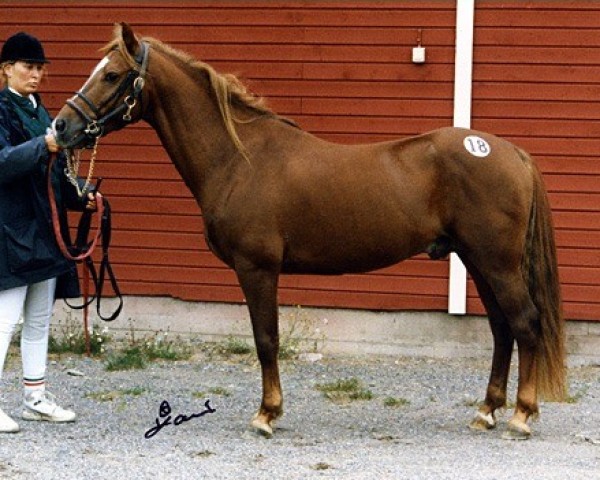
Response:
column 135, row 81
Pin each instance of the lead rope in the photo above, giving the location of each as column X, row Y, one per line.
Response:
column 56, row 222
column 71, row 172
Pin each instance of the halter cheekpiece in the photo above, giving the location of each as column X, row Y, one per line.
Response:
column 134, row 81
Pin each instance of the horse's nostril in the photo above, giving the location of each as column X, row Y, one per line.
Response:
column 60, row 125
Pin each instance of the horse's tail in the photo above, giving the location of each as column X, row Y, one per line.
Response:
column 540, row 270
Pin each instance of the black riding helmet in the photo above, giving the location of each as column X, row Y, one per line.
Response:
column 23, row 47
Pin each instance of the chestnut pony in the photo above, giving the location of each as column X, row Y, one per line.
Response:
column 276, row 200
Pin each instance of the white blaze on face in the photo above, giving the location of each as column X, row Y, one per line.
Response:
column 99, row 67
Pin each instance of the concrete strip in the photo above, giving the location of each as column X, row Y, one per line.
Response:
column 333, row 331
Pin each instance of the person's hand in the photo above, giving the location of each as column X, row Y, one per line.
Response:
column 51, row 144
column 92, row 205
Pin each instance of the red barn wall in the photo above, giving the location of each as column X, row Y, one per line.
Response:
column 343, row 71
column 537, row 83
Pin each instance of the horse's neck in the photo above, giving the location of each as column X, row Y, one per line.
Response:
column 190, row 127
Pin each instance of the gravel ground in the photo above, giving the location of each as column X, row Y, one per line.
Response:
column 425, row 438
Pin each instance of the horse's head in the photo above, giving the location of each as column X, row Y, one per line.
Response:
column 111, row 98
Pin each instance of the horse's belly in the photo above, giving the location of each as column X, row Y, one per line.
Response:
column 326, row 257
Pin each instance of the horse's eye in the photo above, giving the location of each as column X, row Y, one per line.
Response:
column 111, row 77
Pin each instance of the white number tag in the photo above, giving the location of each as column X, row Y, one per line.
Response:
column 477, row 146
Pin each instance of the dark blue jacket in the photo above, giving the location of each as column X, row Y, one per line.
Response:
column 28, row 249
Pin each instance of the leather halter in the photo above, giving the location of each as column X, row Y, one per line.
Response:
column 134, row 81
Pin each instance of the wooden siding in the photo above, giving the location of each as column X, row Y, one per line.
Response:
column 343, row 73
column 342, row 70
column 537, row 83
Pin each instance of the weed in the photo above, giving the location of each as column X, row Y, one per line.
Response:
column 345, row 390
column 213, row 390
column 472, row 401
column 234, row 346
column 298, row 334
column 111, row 395
column 577, row 396
column 202, row 454
column 220, row 391
column 158, row 346
column 71, row 339
column 394, row 402
column 321, row 466
column 135, row 391
column 139, row 352
column 105, row 396
column 128, row 359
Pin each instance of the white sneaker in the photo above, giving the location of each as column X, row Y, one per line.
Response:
column 7, row 424
column 41, row 405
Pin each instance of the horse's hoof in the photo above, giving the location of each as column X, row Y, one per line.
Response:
column 482, row 422
column 262, row 428
column 517, row 430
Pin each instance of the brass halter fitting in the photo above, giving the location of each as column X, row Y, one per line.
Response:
column 95, row 121
column 93, row 129
column 131, row 100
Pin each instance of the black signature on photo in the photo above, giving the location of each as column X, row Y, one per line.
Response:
column 164, row 417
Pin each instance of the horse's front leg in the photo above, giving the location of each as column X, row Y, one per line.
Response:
column 260, row 289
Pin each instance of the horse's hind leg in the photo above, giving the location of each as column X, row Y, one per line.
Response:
column 503, row 345
column 260, row 289
column 512, row 296
column 525, row 327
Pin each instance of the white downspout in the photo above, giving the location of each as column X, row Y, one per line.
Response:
column 463, row 70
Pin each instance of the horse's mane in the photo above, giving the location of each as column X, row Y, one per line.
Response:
column 227, row 88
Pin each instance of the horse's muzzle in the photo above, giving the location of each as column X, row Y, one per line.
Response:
column 73, row 134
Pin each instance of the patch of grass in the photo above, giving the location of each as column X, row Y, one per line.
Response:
column 111, row 395
column 214, row 391
column 234, row 346
column 138, row 352
column 571, row 399
column 160, row 347
column 69, row 337
column 394, row 402
column 345, row 390
column 220, row 391
column 202, row 454
column 321, row 466
column 472, row 402
column 105, row 396
column 131, row 358
column 135, row 391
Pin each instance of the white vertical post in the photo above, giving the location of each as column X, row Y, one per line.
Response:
column 463, row 70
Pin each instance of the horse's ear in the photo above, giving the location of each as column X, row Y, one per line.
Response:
column 129, row 39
